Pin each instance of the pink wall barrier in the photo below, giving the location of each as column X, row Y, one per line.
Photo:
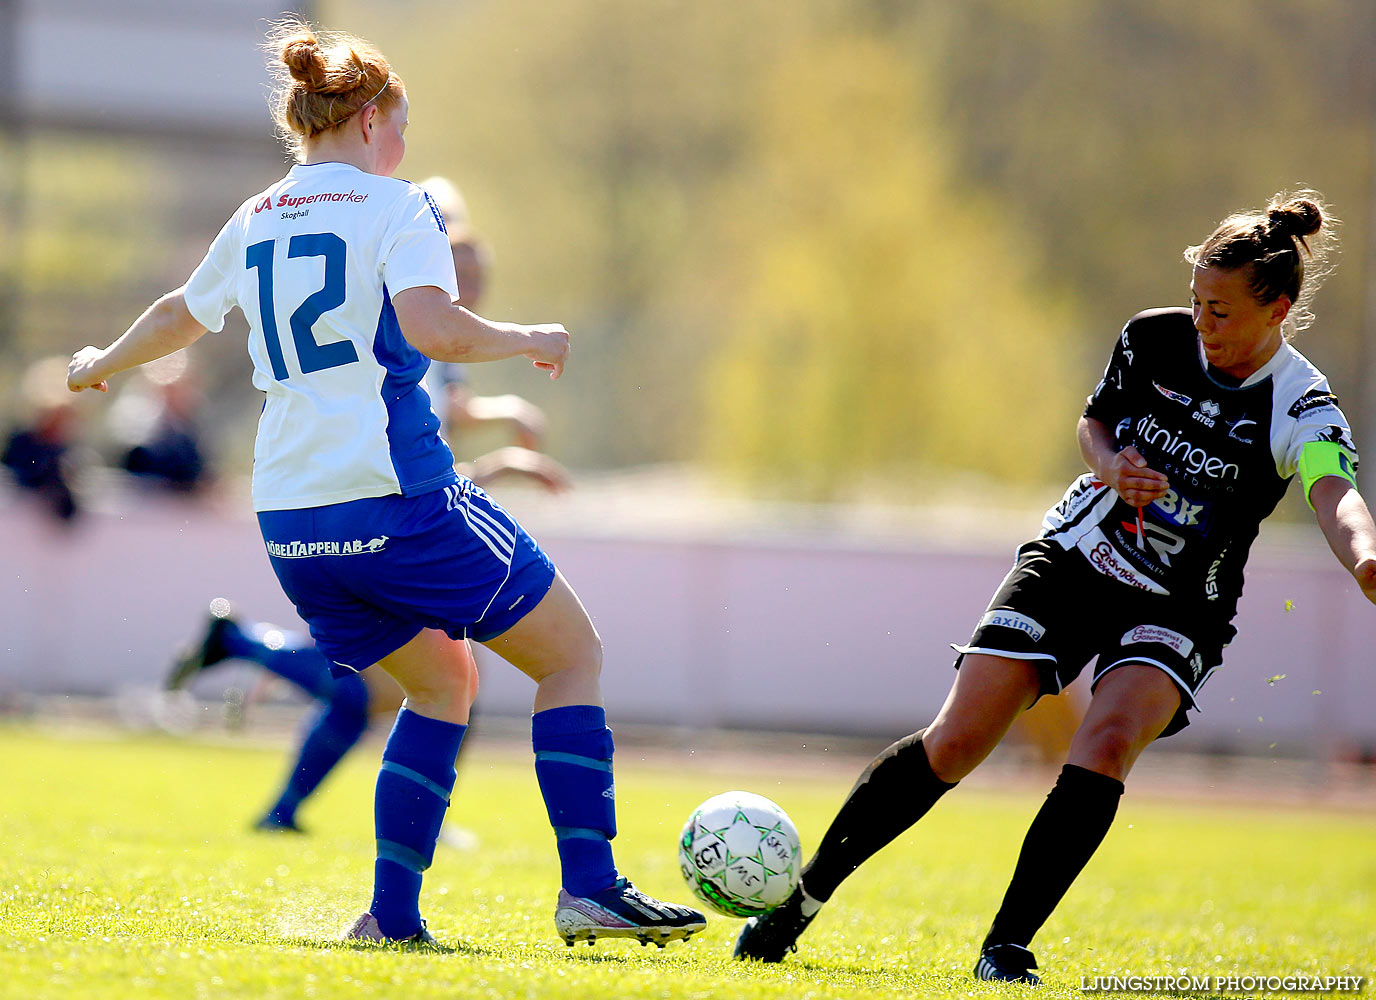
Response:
column 812, row 630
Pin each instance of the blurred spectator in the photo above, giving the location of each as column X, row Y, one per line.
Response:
column 156, row 418
column 37, row 451
column 458, row 406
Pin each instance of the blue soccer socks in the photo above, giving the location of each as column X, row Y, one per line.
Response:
column 573, row 764
column 413, row 789
column 335, row 728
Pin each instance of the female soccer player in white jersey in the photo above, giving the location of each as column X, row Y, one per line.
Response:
column 345, row 277
column 1192, row 436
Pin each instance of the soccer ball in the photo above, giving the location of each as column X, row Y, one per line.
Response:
column 740, row 854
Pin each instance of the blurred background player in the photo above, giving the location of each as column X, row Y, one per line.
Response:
column 462, row 409
column 1202, row 418
column 346, row 704
column 37, row 451
column 157, row 416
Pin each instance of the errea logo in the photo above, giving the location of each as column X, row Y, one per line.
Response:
column 1207, row 413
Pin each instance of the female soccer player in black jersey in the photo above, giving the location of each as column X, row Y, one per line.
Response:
column 1202, row 418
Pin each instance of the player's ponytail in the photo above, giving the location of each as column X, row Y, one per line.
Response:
column 1287, row 249
column 324, row 79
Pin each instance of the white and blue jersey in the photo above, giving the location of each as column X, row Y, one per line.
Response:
column 370, row 530
column 313, row 262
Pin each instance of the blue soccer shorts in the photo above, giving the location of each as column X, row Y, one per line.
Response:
column 366, row 576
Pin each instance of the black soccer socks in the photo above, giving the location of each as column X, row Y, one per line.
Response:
column 895, row 792
column 1067, row 831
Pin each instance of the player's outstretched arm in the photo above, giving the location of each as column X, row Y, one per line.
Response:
column 1124, row 471
column 513, row 460
column 1347, row 524
column 164, row 328
column 442, row 329
column 522, row 418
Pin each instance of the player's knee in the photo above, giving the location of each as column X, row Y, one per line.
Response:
column 446, row 690
column 1111, row 744
column 584, row 655
column 471, row 669
column 953, row 753
column 594, row 653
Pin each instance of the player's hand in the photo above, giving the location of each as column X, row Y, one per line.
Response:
column 1130, row 478
column 80, row 367
column 549, row 348
column 1365, row 572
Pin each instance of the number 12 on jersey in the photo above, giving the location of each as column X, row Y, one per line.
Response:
column 312, row 356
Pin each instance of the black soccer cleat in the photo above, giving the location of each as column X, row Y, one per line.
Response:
column 768, row 938
column 1007, row 963
column 623, row 911
column 209, row 651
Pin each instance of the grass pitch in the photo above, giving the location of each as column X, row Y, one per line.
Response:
column 128, row 870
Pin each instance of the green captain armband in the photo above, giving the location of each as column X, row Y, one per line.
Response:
column 1325, row 458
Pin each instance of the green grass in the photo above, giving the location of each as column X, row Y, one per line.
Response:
column 127, row 870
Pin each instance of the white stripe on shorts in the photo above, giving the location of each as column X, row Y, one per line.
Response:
column 500, row 547
column 501, row 533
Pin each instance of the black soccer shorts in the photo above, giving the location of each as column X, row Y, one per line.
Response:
column 1058, row 612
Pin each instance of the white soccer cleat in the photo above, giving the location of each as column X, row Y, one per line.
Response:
column 623, row 911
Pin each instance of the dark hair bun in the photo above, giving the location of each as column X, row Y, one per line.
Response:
column 1298, row 217
column 302, row 56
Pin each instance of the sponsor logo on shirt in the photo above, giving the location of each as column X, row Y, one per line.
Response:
column 1211, row 579
column 1338, row 435
column 1312, row 400
column 298, row 549
column 1208, row 410
column 1083, row 492
column 1014, row 620
column 1107, row 560
column 291, row 201
column 1194, row 458
column 1233, row 431
column 1179, row 397
column 1164, row 543
column 1155, row 633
